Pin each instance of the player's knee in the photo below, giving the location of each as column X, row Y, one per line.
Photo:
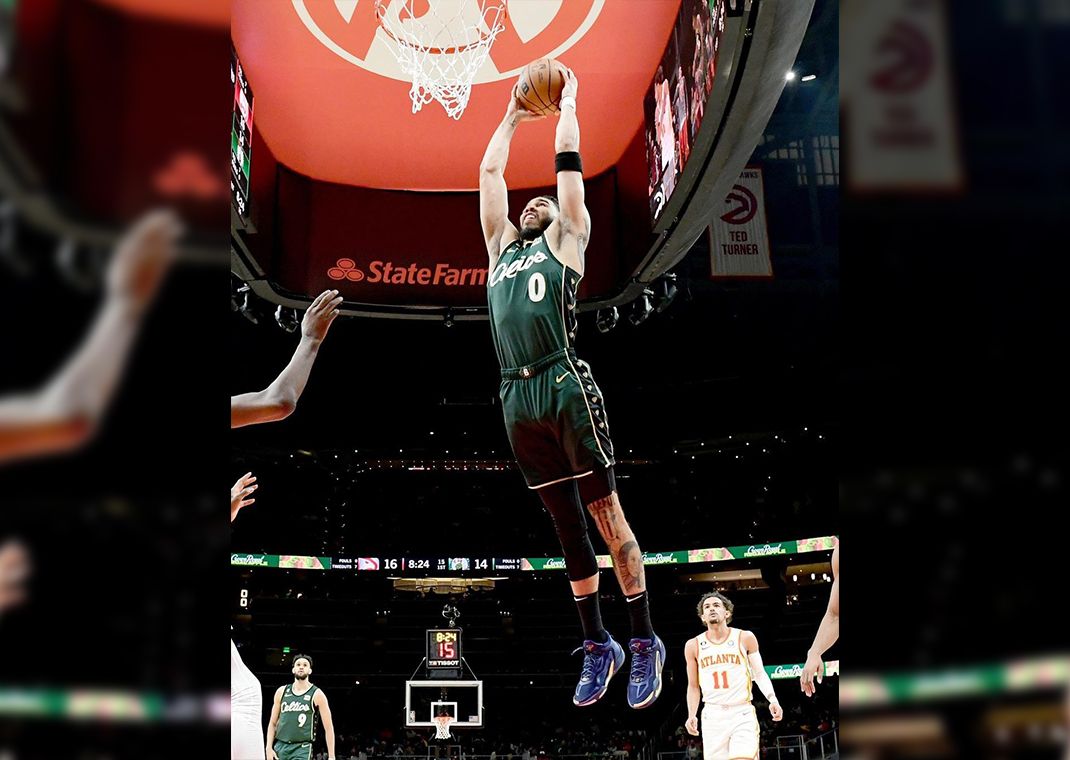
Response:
column 562, row 502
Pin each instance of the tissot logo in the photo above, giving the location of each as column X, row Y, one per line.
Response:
column 746, row 205
column 350, row 30
column 389, row 273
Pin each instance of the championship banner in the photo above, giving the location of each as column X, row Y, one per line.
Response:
column 900, row 120
column 739, row 237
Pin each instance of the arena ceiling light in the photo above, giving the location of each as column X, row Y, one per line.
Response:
column 287, row 318
column 642, row 308
column 607, row 319
column 246, row 305
column 667, row 291
column 80, row 267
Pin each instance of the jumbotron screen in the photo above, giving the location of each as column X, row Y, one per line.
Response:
column 675, row 104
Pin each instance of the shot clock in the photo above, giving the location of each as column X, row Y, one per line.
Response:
column 443, row 650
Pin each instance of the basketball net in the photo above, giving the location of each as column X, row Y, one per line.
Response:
column 442, row 726
column 440, row 45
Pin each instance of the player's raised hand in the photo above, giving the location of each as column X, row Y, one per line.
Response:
column 242, row 488
column 692, row 725
column 572, row 85
column 14, row 570
column 814, row 667
column 516, row 113
column 321, row 313
column 776, row 711
column 143, row 256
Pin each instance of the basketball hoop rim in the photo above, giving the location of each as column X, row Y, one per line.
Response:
column 380, row 12
column 442, row 725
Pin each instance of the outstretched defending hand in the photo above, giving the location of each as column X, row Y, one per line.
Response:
column 14, row 570
column 142, row 257
column 244, row 486
column 516, row 113
column 692, row 726
column 320, row 315
column 814, row 667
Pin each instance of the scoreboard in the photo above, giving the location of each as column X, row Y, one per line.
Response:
column 428, row 565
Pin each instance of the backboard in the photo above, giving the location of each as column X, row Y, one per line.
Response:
column 463, row 700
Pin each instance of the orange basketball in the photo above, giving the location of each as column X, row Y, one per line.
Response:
column 540, row 86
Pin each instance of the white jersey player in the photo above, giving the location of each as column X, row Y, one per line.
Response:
column 722, row 663
column 246, row 704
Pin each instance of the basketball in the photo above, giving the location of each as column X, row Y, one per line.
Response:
column 541, row 85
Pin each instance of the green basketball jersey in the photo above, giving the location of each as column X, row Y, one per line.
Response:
column 532, row 301
column 297, row 718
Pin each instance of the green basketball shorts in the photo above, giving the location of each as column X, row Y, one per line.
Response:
column 555, row 418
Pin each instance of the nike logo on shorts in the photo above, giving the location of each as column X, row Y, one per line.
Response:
column 558, row 380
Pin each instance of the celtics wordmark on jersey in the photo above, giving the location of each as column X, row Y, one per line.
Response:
column 297, row 717
column 532, row 301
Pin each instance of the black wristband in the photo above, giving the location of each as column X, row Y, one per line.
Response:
column 568, row 161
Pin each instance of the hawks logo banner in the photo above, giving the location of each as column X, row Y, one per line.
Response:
column 898, row 101
column 739, row 238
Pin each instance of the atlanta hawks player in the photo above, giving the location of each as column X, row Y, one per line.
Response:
column 721, row 664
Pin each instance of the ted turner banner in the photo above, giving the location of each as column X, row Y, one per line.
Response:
column 739, row 237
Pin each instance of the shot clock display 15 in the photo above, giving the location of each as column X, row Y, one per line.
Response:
column 444, row 649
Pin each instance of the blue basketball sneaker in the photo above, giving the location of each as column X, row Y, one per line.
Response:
column 600, row 663
column 648, row 658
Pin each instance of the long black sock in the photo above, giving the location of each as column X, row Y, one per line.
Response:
column 639, row 612
column 591, row 617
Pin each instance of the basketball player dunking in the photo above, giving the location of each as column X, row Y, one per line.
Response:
column 721, row 664
column 292, row 727
column 554, row 412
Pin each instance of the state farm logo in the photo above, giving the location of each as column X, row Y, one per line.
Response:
column 349, row 29
column 389, row 273
column 746, row 206
column 346, row 269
